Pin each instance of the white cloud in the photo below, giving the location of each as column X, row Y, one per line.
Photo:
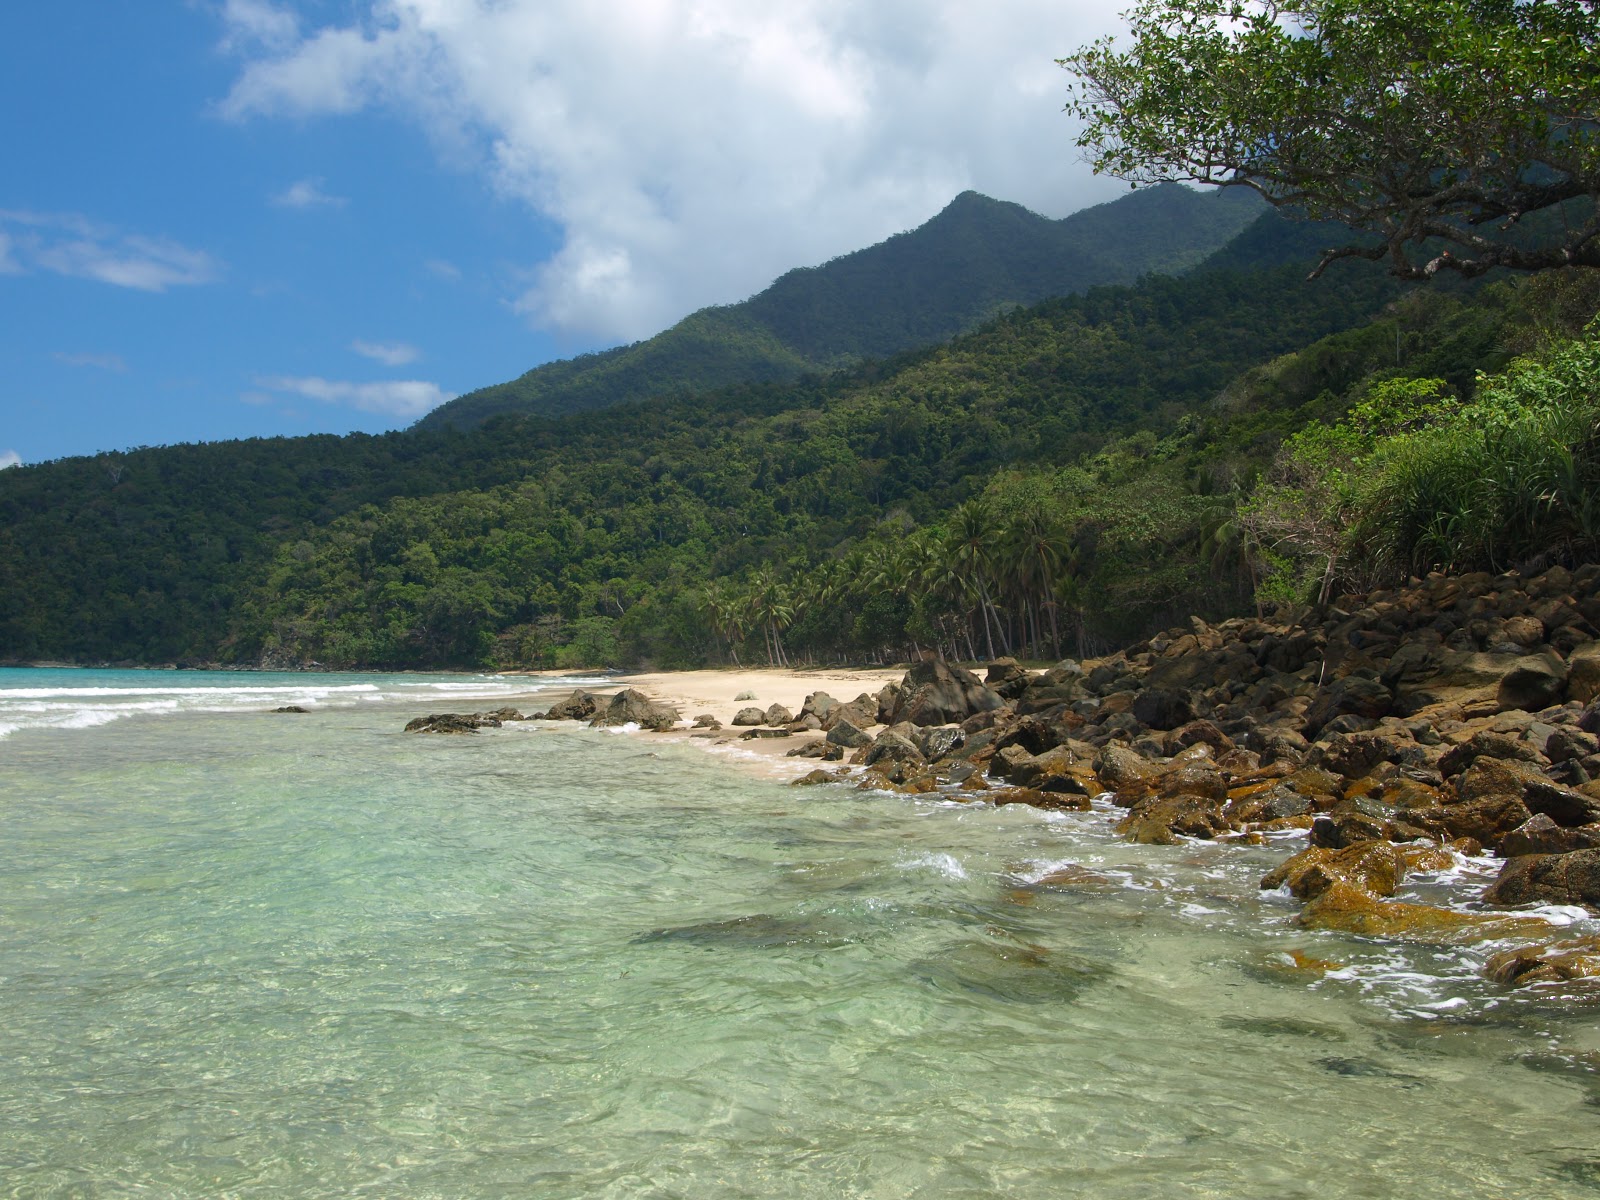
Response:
column 72, row 244
column 104, row 362
column 408, row 398
column 8, row 264
column 390, row 354
column 443, row 269
column 691, row 150
column 9, row 458
column 307, row 193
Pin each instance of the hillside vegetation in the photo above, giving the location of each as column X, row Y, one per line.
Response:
column 1069, row 474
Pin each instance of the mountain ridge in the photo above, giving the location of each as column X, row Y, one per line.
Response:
column 974, row 259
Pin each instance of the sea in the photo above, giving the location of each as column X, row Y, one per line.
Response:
column 247, row 953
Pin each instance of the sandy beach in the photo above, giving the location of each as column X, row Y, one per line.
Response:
column 717, row 693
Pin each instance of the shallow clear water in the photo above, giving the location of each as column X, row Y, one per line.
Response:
column 256, row 954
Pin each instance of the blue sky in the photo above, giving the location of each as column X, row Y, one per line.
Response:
column 237, row 218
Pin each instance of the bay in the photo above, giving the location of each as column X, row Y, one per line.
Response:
column 247, row 953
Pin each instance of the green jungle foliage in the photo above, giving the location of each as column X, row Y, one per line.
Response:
column 1067, row 476
column 972, row 261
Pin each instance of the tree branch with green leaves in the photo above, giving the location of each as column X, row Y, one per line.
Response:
column 1469, row 122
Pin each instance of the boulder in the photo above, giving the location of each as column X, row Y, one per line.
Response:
column 1583, row 673
column 1346, row 909
column 1167, row 821
column 579, row 706
column 633, row 707
column 847, row 734
column 777, row 714
column 860, row 712
column 749, row 716
column 1360, row 696
column 1006, row 678
column 892, row 747
column 1055, row 801
column 1572, row 878
column 819, row 705
column 1541, row 835
column 935, row 693
column 1535, row 683
column 452, row 723
column 1163, row 708
column 1554, row 962
column 1373, row 866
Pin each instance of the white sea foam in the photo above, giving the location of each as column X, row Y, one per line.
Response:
column 72, row 699
column 944, row 864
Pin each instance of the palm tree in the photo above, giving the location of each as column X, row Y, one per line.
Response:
column 972, row 533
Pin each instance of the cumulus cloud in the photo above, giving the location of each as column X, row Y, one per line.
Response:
column 9, row 458
column 691, row 150
column 405, row 398
column 307, row 193
column 390, row 354
column 72, row 244
column 104, row 362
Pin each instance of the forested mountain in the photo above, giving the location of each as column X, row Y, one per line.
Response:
column 591, row 538
column 972, row 261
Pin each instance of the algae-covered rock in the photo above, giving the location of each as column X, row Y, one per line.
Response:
column 1572, row 878
column 1374, row 866
column 1347, row 909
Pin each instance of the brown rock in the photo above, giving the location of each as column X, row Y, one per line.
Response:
column 1373, row 866
column 1554, row 962
column 1348, row 909
column 1572, row 878
column 1165, row 822
column 1541, row 835
column 1056, row 801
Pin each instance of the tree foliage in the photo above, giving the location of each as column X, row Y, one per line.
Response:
column 1467, row 122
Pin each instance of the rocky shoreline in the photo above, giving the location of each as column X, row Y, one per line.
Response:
column 1459, row 714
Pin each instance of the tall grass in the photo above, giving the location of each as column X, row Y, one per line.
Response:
column 1510, row 479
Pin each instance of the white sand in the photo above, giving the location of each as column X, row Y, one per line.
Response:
column 716, row 692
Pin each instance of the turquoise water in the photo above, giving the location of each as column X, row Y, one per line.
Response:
column 257, row 954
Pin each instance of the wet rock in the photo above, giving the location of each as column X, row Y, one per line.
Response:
column 291, row 708
column 1570, row 744
column 707, row 721
column 633, row 707
column 1564, row 805
column 1035, row 798
column 1346, row 909
column 1572, row 878
column 1373, row 866
column 579, row 706
column 815, row 748
column 1167, row 821
column 813, row 778
column 452, row 723
column 1553, row 962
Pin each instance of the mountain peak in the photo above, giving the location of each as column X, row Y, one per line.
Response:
column 977, row 257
